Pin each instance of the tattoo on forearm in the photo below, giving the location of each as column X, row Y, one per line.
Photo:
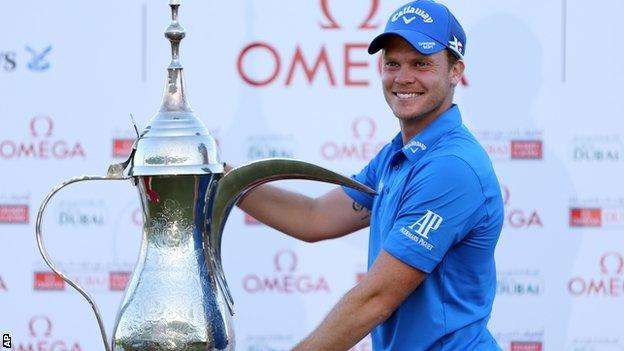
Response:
column 363, row 210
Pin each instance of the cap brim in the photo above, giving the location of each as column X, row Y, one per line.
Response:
column 419, row 41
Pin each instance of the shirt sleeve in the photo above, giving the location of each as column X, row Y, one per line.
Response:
column 442, row 201
column 368, row 177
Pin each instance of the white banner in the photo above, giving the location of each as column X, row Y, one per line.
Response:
column 293, row 79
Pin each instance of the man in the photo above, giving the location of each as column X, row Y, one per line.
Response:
column 436, row 219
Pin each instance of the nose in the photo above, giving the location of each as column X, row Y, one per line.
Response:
column 404, row 76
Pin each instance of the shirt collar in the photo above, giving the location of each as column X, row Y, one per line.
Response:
column 427, row 137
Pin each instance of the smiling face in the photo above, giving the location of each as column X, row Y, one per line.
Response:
column 417, row 87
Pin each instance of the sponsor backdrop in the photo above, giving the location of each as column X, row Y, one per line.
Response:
column 292, row 79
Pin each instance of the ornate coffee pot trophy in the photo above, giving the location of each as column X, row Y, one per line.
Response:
column 178, row 298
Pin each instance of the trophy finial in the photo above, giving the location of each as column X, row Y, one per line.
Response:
column 175, row 141
column 175, row 33
column 175, row 99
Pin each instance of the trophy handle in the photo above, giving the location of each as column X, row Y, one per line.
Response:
column 242, row 179
column 114, row 173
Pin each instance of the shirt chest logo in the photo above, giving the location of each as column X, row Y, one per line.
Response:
column 414, row 146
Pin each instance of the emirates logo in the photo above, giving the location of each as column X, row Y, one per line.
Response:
column 48, row 281
column 14, row 214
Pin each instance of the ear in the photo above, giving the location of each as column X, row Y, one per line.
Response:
column 457, row 72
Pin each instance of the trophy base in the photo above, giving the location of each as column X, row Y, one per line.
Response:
column 158, row 346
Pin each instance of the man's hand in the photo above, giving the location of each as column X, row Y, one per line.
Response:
column 388, row 283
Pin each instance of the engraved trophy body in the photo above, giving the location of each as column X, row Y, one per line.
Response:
column 172, row 301
column 178, row 298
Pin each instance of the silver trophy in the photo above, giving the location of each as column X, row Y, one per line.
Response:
column 178, row 298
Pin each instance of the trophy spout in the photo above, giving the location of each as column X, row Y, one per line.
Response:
column 242, row 179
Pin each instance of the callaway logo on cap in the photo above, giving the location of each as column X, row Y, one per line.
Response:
column 428, row 26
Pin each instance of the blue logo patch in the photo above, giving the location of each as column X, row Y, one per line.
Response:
column 39, row 63
column 427, row 45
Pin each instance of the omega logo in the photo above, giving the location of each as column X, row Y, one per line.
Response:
column 41, row 125
column 285, row 279
column 40, row 326
column 609, row 284
column 611, row 262
column 331, row 23
column 348, row 65
column 40, row 329
column 285, row 258
column 362, row 147
column 363, row 126
column 41, row 146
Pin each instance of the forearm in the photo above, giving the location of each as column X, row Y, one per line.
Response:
column 280, row 209
column 383, row 289
column 355, row 315
column 310, row 219
column 283, row 210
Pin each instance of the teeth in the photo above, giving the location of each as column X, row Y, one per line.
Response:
column 407, row 95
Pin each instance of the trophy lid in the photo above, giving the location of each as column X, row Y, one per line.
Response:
column 175, row 141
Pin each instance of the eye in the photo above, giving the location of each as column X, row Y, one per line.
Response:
column 421, row 64
column 391, row 64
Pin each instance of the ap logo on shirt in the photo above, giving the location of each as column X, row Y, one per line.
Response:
column 430, row 221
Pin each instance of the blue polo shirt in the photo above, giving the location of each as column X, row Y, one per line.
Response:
column 439, row 209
